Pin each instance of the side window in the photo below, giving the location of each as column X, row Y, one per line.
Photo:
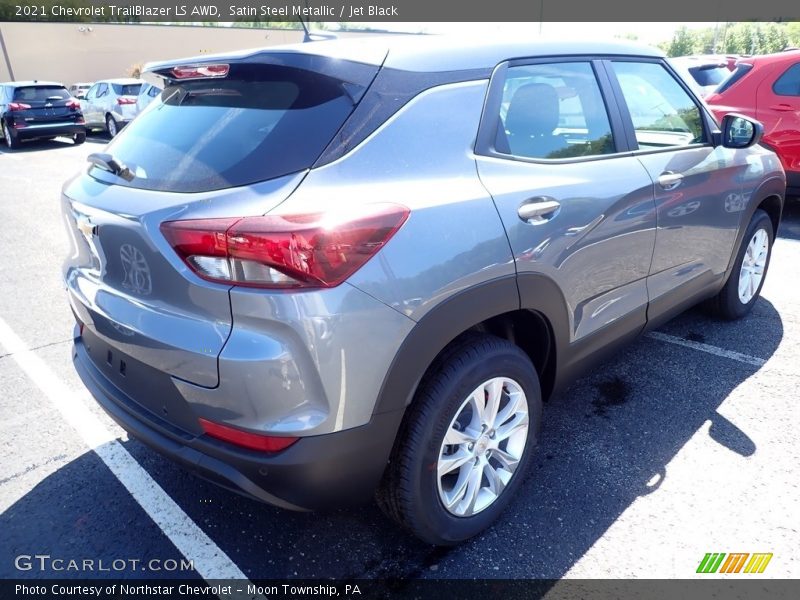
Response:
column 102, row 90
column 663, row 113
column 788, row 84
column 553, row 110
column 92, row 93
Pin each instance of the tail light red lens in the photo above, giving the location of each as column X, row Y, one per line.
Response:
column 73, row 104
column 245, row 439
column 18, row 106
column 285, row 251
column 122, row 101
column 200, row 71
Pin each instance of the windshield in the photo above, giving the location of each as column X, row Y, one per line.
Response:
column 709, row 75
column 259, row 123
column 40, row 93
column 131, row 89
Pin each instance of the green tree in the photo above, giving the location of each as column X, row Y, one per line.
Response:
column 682, row 43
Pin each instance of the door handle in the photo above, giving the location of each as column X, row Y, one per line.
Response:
column 782, row 107
column 538, row 210
column 670, row 180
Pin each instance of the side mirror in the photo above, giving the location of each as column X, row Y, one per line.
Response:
column 740, row 132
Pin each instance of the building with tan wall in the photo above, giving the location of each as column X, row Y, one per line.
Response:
column 71, row 52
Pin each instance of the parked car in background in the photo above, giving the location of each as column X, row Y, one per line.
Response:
column 327, row 269
column 78, row 90
column 110, row 104
column 147, row 94
column 704, row 72
column 31, row 110
column 767, row 88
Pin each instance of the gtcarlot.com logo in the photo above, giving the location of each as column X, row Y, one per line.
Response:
column 46, row 562
column 736, row 562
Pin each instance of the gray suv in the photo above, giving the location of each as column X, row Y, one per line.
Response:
column 317, row 273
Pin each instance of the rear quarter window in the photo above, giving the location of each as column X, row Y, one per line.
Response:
column 788, row 84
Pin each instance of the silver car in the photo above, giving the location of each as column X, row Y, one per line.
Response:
column 110, row 104
column 147, row 94
column 316, row 272
column 78, row 90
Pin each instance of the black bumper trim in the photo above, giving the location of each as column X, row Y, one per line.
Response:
column 33, row 133
column 316, row 473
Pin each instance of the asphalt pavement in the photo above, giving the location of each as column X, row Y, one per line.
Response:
column 685, row 443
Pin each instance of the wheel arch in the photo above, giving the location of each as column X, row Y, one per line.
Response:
column 768, row 196
column 537, row 327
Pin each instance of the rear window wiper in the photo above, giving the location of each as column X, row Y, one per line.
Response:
column 108, row 163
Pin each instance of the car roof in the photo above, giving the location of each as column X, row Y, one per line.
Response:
column 705, row 59
column 431, row 53
column 30, row 83
column 776, row 58
column 121, row 81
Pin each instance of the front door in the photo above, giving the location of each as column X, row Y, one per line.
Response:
column 697, row 187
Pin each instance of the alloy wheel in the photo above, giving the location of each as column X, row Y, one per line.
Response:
column 482, row 447
column 753, row 264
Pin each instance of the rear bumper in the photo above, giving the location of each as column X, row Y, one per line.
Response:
column 316, row 473
column 42, row 130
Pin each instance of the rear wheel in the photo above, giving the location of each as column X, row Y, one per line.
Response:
column 744, row 284
column 111, row 126
column 79, row 138
column 10, row 138
column 466, row 442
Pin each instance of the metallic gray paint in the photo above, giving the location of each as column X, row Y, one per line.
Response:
column 319, row 361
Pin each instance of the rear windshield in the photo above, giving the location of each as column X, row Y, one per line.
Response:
column 131, row 89
column 741, row 70
column 259, row 123
column 40, row 93
column 709, row 75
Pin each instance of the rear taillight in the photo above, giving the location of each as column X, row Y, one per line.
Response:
column 18, row 106
column 123, row 101
column 245, row 439
column 73, row 104
column 200, row 71
column 286, row 251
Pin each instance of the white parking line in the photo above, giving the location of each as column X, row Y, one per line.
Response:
column 738, row 356
column 208, row 559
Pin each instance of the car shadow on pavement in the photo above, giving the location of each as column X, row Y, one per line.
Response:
column 605, row 442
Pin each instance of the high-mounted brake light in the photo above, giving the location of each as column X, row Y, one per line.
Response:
column 285, row 251
column 18, row 106
column 122, row 101
column 200, row 71
column 245, row 439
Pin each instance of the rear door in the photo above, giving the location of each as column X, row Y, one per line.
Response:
column 222, row 147
column 697, row 186
column 125, row 96
column 577, row 207
column 778, row 107
column 47, row 105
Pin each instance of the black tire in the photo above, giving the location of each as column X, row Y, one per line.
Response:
column 727, row 304
column 9, row 137
column 409, row 492
column 79, row 138
column 112, row 127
